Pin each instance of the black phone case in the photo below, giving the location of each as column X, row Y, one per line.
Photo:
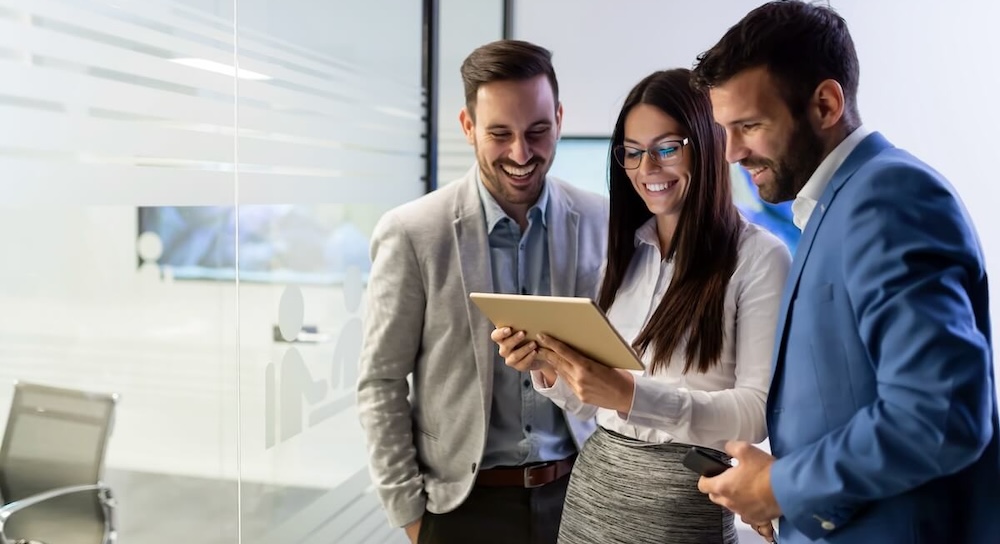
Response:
column 704, row 464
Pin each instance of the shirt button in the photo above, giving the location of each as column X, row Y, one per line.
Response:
column 527, row 384
column 527, row 428
column 828, row 526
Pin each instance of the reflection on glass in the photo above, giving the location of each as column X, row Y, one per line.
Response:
column 277, row 243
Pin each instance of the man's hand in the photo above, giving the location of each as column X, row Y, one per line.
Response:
column 413, row 531
column 592, row 382
column 746, row 488
column 765, row 529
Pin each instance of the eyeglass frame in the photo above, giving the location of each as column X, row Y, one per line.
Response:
column 646, row 152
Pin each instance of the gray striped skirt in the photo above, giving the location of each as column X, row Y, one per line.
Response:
column 627, row 491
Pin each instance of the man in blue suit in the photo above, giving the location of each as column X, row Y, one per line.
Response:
column 882, row 410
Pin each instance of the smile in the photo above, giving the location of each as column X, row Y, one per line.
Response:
column 518, row 172
column 756, row 172
column 660, row 187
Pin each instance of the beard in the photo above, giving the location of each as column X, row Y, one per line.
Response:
column 803, row 154
column 502, row 186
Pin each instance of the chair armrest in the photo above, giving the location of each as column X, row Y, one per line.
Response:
column 107, row 502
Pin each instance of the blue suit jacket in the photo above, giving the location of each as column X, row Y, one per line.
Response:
column 883, row 409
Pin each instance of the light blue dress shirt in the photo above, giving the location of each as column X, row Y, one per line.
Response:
column 525, row 427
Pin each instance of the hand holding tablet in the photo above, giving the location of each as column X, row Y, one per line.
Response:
column 576, row 321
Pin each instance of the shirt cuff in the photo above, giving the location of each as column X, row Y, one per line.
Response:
column 538, row 380
column 653, row 400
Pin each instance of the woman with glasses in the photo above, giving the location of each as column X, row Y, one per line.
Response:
column 696, row 288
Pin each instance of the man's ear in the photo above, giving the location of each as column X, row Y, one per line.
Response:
column 826, row 108
column 468, row 125
column 559, row 115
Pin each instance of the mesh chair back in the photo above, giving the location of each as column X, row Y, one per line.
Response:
column 55, row 438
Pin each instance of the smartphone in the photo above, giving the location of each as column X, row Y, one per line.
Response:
column 700, row 461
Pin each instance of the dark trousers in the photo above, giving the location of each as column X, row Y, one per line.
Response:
column 500, row 515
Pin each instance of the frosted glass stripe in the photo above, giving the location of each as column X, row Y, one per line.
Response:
column 58, row 132
column 60, row 180
column 41, row 179
column 81, row 44
column 74, row 91
column 390, row 189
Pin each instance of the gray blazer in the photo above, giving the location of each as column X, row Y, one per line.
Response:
column 427, row 256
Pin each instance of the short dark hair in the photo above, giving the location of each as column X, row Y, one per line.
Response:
column 505, row 60
column 704, row 247
column 800, row 44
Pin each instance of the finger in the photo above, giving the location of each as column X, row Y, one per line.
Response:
column 509, row 344
column 549, row 356
column 499, row 334
column 565, row 352
column 522, row 357
column 720, row 500
column 765, row 530
column 552, row 343
column 737, row 448
column 705, row 485
column 568, row 354
column 563, row 368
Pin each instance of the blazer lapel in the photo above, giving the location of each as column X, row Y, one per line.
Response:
column 865, row 151
column 564, row 226
column 474, row 261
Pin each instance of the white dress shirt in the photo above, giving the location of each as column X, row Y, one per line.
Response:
column 707, row 409
column 805, row 201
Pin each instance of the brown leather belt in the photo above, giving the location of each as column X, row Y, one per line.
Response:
column 527, row 476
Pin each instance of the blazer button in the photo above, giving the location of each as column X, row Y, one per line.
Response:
column 473, row 468
column 828, row 525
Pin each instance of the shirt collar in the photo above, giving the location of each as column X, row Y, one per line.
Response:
column 647, row 234
column 495, row 214
column 811, row 192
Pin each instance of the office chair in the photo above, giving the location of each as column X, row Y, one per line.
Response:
column 51, row 464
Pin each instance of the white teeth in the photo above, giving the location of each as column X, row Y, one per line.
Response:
column 518, row 171
column 657, row 187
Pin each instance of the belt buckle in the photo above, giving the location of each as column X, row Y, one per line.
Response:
column 528, row 484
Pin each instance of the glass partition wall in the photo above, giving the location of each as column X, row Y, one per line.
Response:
column 330, row 136
column 187, row 189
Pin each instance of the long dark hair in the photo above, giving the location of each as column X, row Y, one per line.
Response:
column 704, row 246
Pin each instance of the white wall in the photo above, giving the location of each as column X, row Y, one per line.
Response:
column 930, row 85
column 929, row 75
column 601, row 49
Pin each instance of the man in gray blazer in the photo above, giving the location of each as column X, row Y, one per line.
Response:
column 473, row 453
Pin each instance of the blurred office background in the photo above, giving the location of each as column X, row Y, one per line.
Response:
column 187, row 188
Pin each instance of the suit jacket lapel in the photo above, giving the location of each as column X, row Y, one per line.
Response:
column 865, row 151
column 474, row 261
column 564, row 226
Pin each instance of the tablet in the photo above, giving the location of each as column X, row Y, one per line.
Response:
column 576, row 321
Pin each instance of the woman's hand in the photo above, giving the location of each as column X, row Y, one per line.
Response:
column 592, row 382
column 520, row 355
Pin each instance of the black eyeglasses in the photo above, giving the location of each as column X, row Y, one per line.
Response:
column 663, row 153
